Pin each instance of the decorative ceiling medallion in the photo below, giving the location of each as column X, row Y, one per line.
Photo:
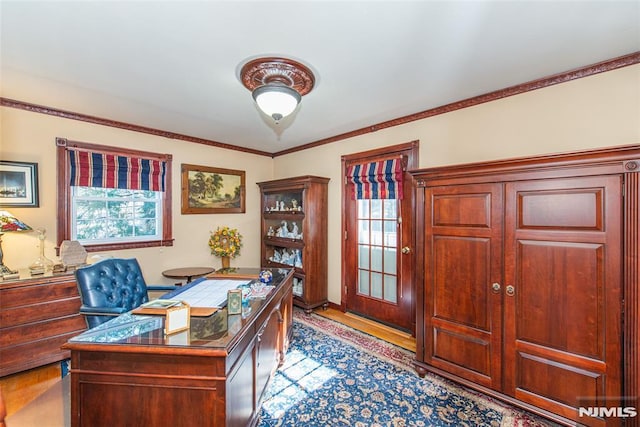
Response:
column 287, row 72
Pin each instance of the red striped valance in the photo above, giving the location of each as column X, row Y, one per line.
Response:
column 377, row 180
column 93, row 169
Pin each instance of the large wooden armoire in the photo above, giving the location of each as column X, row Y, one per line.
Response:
column 527, row 275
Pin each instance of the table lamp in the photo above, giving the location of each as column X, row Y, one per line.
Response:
column 8, row 223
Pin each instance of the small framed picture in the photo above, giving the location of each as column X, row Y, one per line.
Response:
column 234, row 301
column 19, row 184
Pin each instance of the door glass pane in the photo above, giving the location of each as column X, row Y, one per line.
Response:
column 390, row 288
column 390, row 256
column 376, row 209
column 363, row 282
column 363, row 208
column 390, row 234
column 376, row 258
column 376, row 285
column 363, row 256
column 376, row 232
column 363, row 231
column 390, row 208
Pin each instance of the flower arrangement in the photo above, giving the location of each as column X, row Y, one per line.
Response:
column 225, row 242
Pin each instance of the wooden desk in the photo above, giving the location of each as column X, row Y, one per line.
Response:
column 211, row 375
column 187, row 272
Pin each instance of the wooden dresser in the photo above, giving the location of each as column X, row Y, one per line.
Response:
column 37, row 316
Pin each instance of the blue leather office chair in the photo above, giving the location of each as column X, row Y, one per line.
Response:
column 111, row 287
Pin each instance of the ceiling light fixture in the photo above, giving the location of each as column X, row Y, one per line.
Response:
column 277, row 84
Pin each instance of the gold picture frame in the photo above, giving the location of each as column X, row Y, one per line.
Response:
column 178, row 318
column 207, row 190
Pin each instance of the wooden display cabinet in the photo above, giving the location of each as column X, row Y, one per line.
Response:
column 294, row 234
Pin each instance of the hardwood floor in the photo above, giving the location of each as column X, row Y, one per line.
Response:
column 378, row 330
column 21, row 388
column 51, row 407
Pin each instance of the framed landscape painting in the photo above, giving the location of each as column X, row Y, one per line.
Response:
column 18, row 184
column 212, row 190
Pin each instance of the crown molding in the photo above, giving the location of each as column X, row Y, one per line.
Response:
column 35, row 108
column 601, row 67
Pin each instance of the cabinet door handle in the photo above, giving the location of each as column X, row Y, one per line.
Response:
column 511, row 290
column 496, row 287
column 406, row 250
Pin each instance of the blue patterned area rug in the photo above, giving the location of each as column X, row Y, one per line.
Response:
column 336, row 376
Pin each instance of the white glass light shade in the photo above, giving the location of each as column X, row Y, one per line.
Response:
column 276, row 101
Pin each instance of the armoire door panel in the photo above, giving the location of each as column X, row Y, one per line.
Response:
column 557, row 381
column 461, row 280
column 559, row 286
column 463, row 261
column 462, row 210
column 468, row 350
column 562, row 251
column 580, row 209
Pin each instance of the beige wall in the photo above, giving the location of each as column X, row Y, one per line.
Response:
column 30, row 137
column 598, row 111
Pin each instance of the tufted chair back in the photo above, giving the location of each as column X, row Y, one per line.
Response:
column 115, row 285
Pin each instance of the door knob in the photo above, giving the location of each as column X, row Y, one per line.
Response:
column 406, row 250
column 511, row 290
column 496, row 287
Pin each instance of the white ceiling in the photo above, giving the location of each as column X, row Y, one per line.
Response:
column 173, row 65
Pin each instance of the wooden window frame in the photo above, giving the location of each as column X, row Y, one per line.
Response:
column 65, row 195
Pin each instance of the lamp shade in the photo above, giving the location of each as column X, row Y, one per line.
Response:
column 8, row 222
column 277, row 84
column 276, row 101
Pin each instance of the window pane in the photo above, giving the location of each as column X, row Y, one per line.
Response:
column 363, row 256
column 390, row 288
column 376, row 258
column 376, row 285
column 119, row 192
column 120, row 228
column 145, row 227
column 390, row 257
column 91, row 230
column 91, row 210
column 89, row 192
column 363, row 282
column 119, row 209
column 145, row 209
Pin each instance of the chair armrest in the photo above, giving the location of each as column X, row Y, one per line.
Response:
column 102, row 311
column 165, row 288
